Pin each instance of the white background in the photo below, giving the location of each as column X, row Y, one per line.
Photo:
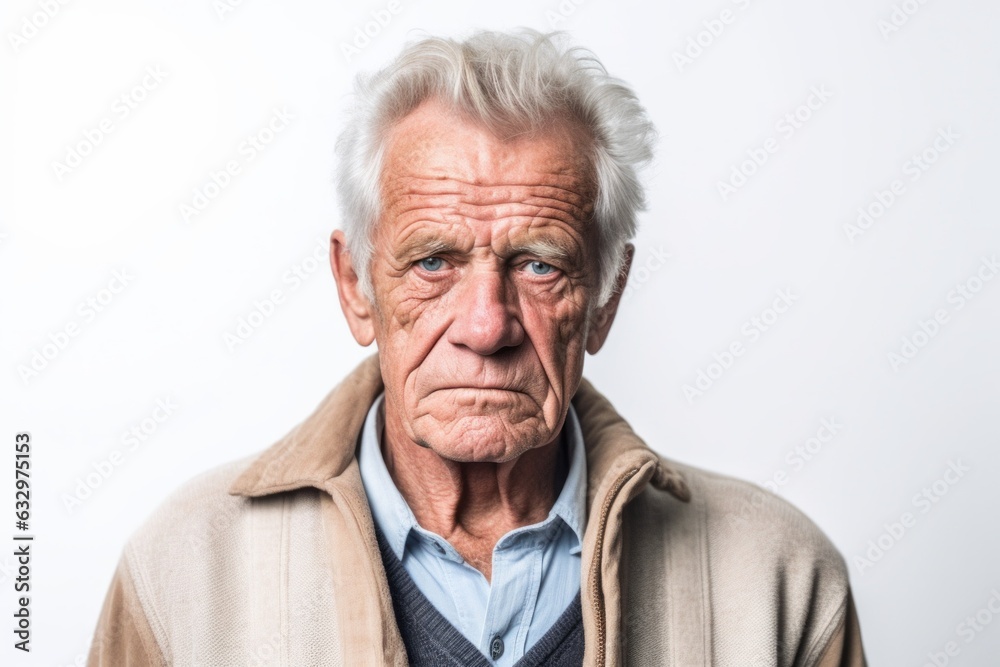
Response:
column 63, row 237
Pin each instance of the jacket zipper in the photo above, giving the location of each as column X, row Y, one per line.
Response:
column 595, row 572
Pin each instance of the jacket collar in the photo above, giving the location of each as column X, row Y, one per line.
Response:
column 322, row 447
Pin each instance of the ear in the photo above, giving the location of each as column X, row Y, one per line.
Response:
column 605, row 315
column 353, row 302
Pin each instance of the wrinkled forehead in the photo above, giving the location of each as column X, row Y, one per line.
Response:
column 436, row 142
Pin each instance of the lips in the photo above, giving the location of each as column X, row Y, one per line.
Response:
column 480, row 387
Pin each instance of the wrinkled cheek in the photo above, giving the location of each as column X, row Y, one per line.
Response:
column 403, row 313
column 397, row 321
column 557, row 343
column 564, row 331
column 572, row 332
column 414, row 334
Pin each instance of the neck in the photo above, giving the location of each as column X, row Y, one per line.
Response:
column 473, row 505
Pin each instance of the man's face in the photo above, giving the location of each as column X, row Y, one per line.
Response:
column 485, row 279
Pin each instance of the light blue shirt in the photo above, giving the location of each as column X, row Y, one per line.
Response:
column 536, row 569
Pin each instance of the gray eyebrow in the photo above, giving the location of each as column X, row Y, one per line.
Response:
column 543, row 248
column 430, row 247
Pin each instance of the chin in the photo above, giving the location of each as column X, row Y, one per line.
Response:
column 484, row 438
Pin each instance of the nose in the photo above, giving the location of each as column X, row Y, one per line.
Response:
column 485, row 321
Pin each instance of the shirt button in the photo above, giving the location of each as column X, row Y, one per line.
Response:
column 496, row 647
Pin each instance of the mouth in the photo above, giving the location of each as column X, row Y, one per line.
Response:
column 478, row 387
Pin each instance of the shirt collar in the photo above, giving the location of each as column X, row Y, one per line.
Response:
column 571, row 505
column 389, row 510
column 395, row 519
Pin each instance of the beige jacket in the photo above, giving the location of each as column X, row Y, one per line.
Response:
column 273, row 561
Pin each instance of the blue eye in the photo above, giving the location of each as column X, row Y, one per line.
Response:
column 540, row 268
column 431, row 263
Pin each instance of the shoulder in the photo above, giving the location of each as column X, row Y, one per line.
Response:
column 741, row 517
column 763, row 567
column 754, row 577
column 198, row 509
column 201, row 534
column 769, row 578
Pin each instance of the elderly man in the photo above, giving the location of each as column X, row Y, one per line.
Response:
column 465, row 497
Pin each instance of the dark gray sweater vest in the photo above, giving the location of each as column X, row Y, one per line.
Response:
column 432, row 641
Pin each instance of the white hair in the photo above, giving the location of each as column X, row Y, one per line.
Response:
column 508, row 82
